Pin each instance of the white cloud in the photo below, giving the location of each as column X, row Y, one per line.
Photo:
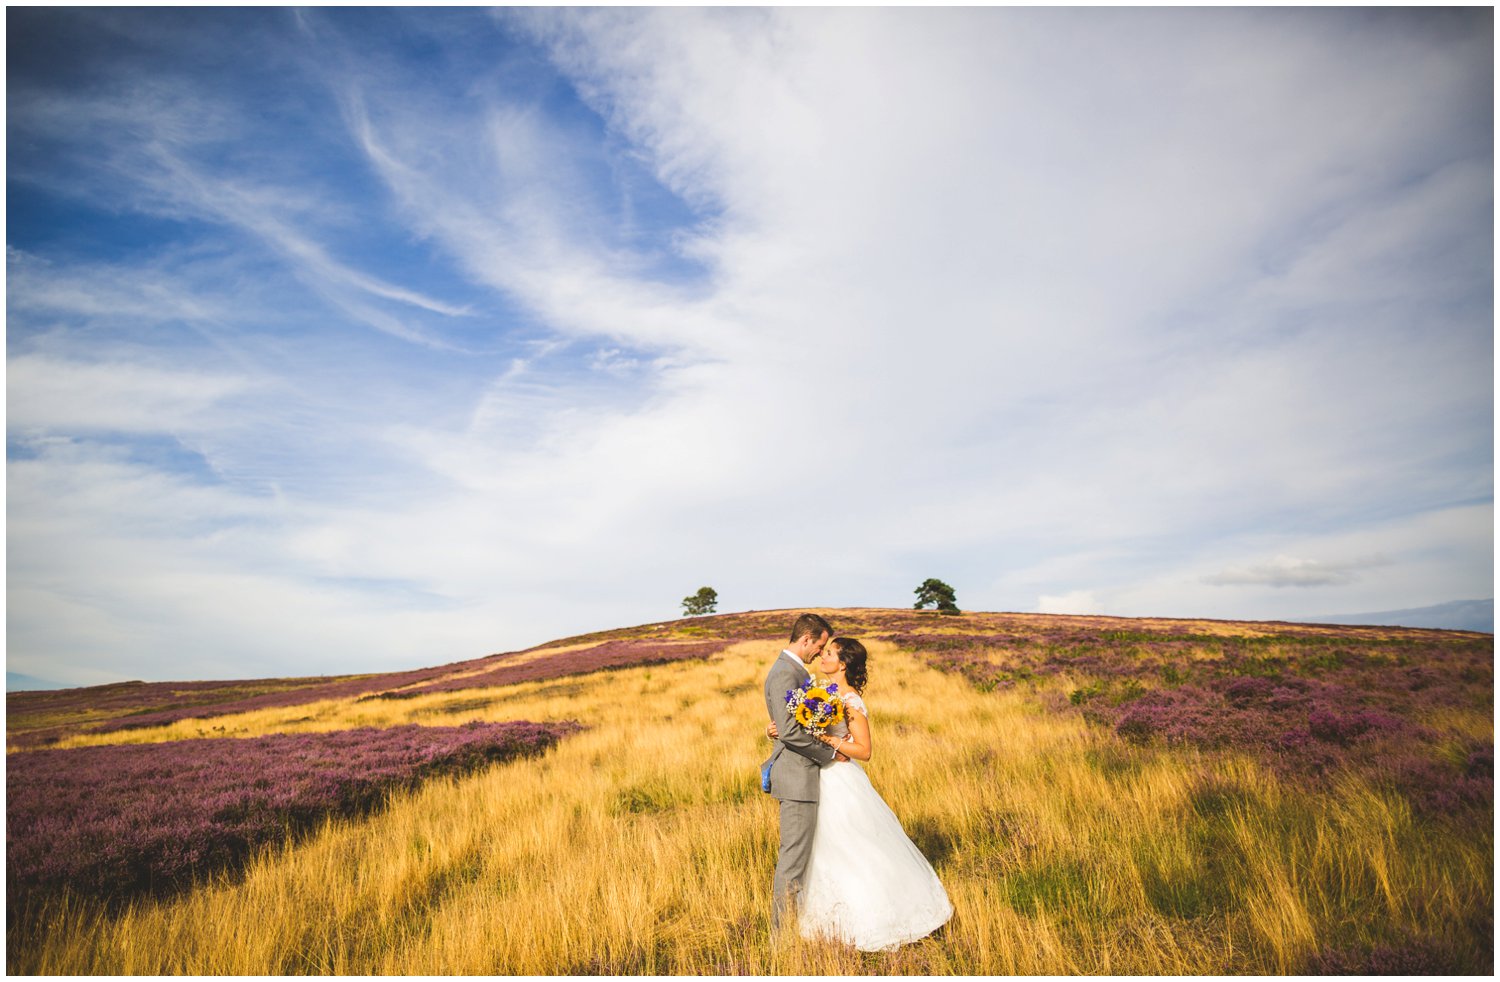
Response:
column 1033, row 271
column 1075, row 602
column 1289, row 571
column 53, row 395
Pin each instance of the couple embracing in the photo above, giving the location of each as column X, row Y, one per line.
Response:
column 846, row 868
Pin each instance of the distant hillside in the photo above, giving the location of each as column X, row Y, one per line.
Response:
column 40, row 718
column 17, row 682
column 1460, row 615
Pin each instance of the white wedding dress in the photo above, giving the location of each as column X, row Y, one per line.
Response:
column 866, row 883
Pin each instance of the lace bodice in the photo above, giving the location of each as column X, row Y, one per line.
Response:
column 852, row 702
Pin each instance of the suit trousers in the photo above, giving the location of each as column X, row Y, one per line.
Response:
column 799, row 819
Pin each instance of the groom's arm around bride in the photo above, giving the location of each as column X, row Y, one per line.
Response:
column 791, row 734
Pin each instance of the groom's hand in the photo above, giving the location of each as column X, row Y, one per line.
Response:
column 840, row 757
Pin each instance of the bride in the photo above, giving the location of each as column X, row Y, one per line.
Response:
column 866, row 883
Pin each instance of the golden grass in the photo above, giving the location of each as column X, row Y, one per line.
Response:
column 644, row 846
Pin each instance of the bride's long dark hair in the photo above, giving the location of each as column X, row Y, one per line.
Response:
column 855, row 660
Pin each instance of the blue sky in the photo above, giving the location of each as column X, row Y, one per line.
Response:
column 342, row 340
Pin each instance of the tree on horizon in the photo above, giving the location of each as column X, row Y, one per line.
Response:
column 702, row 602
column 934, row 592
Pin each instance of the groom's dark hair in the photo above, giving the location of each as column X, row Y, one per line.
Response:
column 810, row 624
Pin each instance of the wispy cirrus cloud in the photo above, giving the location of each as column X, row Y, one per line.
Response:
column 258, row 211
column 39, row 290
column 521, row 215
column 162, row 147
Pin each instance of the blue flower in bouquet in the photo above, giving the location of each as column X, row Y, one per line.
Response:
column 815, row 705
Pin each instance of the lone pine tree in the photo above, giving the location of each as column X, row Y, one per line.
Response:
column 936, row 593
column 702, row 602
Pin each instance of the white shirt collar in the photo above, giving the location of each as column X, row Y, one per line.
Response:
column 798, row 662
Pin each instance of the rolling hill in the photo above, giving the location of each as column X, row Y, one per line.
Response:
column 1461, row 615
column 1099, row 795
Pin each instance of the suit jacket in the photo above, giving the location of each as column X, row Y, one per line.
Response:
column 799, row 755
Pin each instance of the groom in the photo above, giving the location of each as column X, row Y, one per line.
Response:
column 795, row 762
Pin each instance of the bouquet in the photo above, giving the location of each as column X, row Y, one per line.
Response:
column 815, row 705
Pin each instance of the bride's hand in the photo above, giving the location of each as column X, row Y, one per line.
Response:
column 771, row 730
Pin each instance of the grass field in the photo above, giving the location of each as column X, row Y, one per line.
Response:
column 643, row 845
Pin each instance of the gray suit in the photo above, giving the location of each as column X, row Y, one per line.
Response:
column 795, row 781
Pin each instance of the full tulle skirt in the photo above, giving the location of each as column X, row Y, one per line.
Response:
column 866, row 884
